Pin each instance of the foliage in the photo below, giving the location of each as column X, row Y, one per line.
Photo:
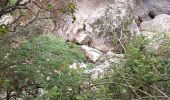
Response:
column 22, row 10
column 72, row 8
column 37, row 63
column 42, row 62
column 143, row 75
column 50, row 5
column 12, row 2
column 3, row 30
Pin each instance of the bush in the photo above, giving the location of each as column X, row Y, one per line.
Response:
column 42, row 62
column 37, row 64
column 143, row 75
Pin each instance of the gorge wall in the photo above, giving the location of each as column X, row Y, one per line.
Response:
column 98, row 21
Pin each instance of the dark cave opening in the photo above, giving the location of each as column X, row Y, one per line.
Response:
column 151, row 15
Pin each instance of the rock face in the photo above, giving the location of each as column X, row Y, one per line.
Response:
column 78, row 65
column 6, row 19
column 160, row 24
column 96, row 28
column 148, row 9
column 98, row 22
column 157, row 7
column 91, row 53
column 105, row 62
column 156, row 30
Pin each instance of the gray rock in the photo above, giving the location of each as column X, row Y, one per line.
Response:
column 160, row 24
column 107, row 61
column 156, row 31
column 148, row 9
column 157, row 7
column 91, row 53
column 96, row 28
column 155, row 40
column 6, row 19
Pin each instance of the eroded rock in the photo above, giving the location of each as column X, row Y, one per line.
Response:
column 160, row 24
column 6, row 19
column 157, row 7
column 108, row 60
column 91, row 53
column 97, row 30
column 78, row 65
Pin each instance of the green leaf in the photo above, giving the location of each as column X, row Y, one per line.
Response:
column 12, row 2
column 62, row 10
column 74, row 18
column 3, row 30
column 50, row 6
column 71, row 6
column 79, row 98
column 23, row 12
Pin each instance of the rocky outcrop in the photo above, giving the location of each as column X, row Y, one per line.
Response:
column 156, row 30
column 100, row 68
column 104, row 63
column 98, row 22
column 160, row 24
column 78, row 66
column 157, row 7
column 98, row 28
column 6, row 19
column 99, row 62
column 148, row 9
column 91, row 53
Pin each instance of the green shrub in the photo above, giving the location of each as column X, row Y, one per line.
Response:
column 143, row 75
column 42, row 62
column 37, row 63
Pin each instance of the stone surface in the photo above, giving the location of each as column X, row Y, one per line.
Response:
column 155, row 30
column 105, row 62
column 160, row 24
column 133, row 28
column 91, row 53
column 96, row 28
column 148, row 9
column 155, row 40
column 157, row 7
column 6, row 19
column 78, row 65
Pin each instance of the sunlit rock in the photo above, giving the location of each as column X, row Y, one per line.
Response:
column 97, row 22
column 78, row 65
column 6, row 19
column 91, row 53
column 160, row 24
column 107, row 61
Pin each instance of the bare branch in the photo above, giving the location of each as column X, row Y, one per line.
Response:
column 6, row 7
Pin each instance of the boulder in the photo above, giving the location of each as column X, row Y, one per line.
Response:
column 160, row 24
column 78, row 65
column 6, row 19
column 148, row 9
column 104, row 63
column 156, row 31
column 91, row 53
column 96, row 28
column 156, row 41
column 157, row 7
column 133, row 28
